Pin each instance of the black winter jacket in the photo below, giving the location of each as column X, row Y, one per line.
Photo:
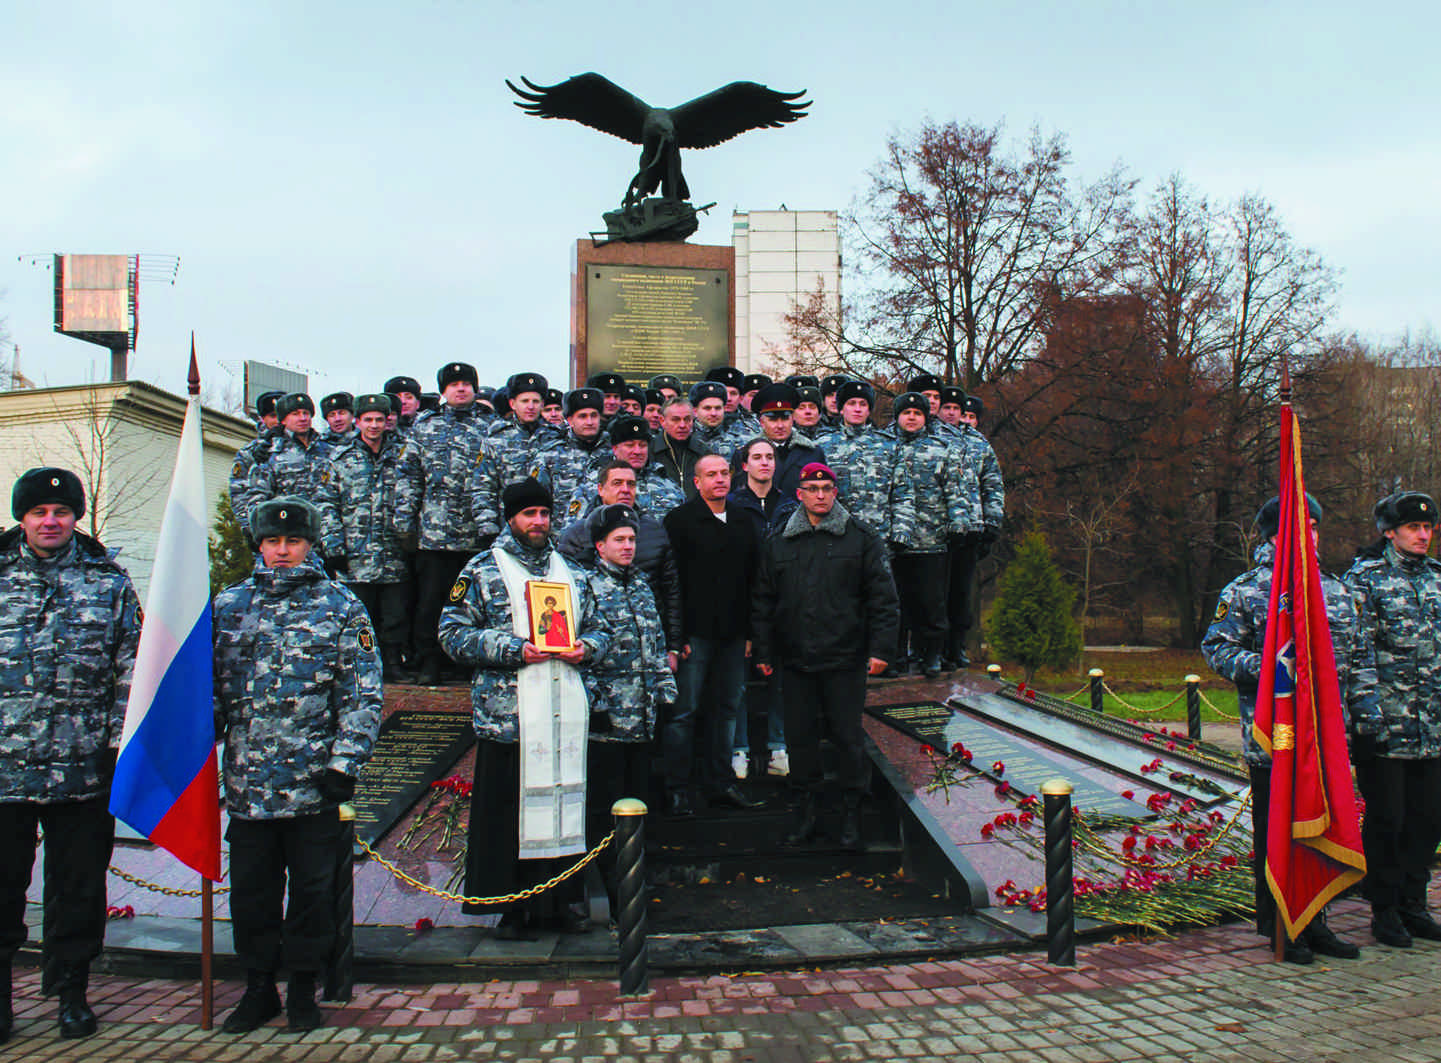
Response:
column 824, row 598
column 717, row 562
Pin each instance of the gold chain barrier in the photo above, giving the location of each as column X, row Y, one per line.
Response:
column 1136, row 708
column 509, row 898
column 1215, row 708
column 169, row 891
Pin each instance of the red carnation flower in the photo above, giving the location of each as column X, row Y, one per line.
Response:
column 999, row 767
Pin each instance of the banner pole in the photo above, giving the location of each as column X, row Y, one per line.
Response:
column 207, row 949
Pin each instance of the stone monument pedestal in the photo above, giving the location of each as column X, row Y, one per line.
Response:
column 639, row 309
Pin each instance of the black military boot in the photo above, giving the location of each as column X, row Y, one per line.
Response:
column 805, row 826
column 7, row 1006
column 393, row 668
column 1418, row 922
column 1387, row 928
column 851, row 823
column 301, row 1011
column 259, row 1005
column 931, row 664
column 429, row 674
column 76, row 1018
column 1324, row 942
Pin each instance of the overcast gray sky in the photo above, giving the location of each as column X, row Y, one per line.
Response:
column 350, row 190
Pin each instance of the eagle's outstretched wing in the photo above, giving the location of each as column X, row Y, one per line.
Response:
column 589, row 99
column 727, row 112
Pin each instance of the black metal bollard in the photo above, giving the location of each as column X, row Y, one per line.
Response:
column 1060, row 894
column 340, row 965
column 1098, row 694
column 630, row 893
column 1193, row 706
column 993, row 672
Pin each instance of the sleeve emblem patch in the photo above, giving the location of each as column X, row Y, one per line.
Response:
column 457, row 592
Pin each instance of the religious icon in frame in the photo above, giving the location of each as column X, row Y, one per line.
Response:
column 552, row 615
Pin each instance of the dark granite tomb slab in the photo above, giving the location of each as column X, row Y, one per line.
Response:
column 413, row 750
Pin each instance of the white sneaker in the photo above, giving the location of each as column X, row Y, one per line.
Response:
column 780, row 763
column 740, row 764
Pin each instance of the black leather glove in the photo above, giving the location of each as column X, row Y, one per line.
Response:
column 984, row 541
column 1365, row 747
column 336, row 785
column 106, row 765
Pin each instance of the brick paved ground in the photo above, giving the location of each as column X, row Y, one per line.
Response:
column 1211, row 994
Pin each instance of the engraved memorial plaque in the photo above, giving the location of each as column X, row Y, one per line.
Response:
column 413, row 750
column 644, row 320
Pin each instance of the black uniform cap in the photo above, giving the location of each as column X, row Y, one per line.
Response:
column 1405, row 507
column 407, row 384
column 654, row 397
column 520, row 383
column 374, row 404
column 47, row 486
column 974, row 405
column 707, row 389
column 607, row 519
column 629, row 428
column 584, row 399
column 754, row 382
column 803, row 380
column 951, row 395
column 288, row 404
column 609, row 383
column 661, row 381
column 856, row 389
column 833, row 383
column 779, row 398
column 633, row 393
column 911, row 400
column 456, row 372
column 728, row 375
column 554, row 397
column 1268, row 517
column 808, row 393
column 925, row 382
column 286, row 515
column 265, row 402
column 337, row 400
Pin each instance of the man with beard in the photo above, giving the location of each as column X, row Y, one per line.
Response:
column 529, row 710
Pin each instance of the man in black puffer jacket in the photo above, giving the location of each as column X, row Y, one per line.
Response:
column 825, row 609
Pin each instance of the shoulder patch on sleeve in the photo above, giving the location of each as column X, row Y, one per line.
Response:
column 575, row 507
column 457, row 592
column 367, row 640
column 1222, row 609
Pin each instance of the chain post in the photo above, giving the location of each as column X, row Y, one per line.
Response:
column 993, row 671
column 1060, row 894
column 340, row 964
column 629, row 816
column 1193, row 706
column 1098, row 694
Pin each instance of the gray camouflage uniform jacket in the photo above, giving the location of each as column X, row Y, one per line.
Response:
column 1237, row 636
column 982, row 459
column 725, row 439
column 294, row 467
column 634, row 678
column 246, row 458
column 69, row 628
column 1400, row 605
column 508, row 454
column 932, row 494
column 476, row 629
column 450, row 440
column 376, row 499
column 862, row 457
column 566, row 468
column 297, row 689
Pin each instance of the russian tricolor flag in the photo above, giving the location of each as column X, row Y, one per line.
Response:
column 166, row 781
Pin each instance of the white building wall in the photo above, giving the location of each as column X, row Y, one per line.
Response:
column 781, row 258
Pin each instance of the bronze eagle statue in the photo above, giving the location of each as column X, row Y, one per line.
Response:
column 661, row 132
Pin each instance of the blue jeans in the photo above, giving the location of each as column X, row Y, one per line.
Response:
column 775, row 707
column 711, row 683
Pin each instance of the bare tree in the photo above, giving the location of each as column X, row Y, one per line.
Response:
column 956, row 245
column 114, row 471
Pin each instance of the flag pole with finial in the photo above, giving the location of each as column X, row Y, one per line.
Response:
column 207, row 893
